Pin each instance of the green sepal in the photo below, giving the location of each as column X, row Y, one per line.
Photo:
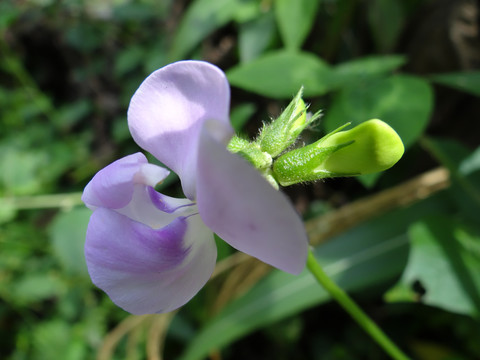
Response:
column 302, row 164
column 282, row 132
column 250, row 152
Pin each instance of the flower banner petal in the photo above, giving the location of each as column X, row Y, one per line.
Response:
column 240, row 206
column 167, row 111
column 144, row 270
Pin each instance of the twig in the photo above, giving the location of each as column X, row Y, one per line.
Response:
column 421, row 187
column 114, row 336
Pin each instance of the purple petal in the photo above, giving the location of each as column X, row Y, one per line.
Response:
column 238, row 204
column 144, row 270
column 155, row 210
column 113, row 186
column 169, row 204
column 167, row 112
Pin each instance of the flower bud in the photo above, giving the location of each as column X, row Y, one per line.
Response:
column 370, row 147
column 283, row 131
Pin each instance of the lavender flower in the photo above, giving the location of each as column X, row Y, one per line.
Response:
column 152, row 253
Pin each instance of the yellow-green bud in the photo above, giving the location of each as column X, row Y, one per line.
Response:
column 376, row 147
column 369, row 147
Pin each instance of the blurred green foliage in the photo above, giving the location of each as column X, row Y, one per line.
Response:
column 67, row 72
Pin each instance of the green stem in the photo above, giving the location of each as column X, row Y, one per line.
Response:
column 353, row 309
column 42, row 201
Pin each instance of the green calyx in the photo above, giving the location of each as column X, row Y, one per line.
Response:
column 372, row 146
column 281, row 133
column 250, row 152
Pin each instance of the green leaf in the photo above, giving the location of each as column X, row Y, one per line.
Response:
column 248, row 10
column 201, row 18
column 68, row 115
column 7, row 210
column 404, row 102
column 240, row 115
column 128, row 59
column 139, row 12
column 471, row 163
column 463, row 165
column 386, row 19
column 57, row 337
column 8, row 14
column 363, row 69
column 468, row 81
column 368, row 255
column 19, row 169
column 280, row 74
column 68, row 231
column 295, row 19
column 36, row 287
column 255, row 36
column 444, row 261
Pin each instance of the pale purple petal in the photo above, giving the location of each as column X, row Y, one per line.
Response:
column 154, row 209
column 113, row 186
column 167, row 112
column 238, row 204
column 144, row 270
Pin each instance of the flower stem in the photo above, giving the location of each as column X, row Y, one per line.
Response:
column 42, row 201
column 353, row 309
